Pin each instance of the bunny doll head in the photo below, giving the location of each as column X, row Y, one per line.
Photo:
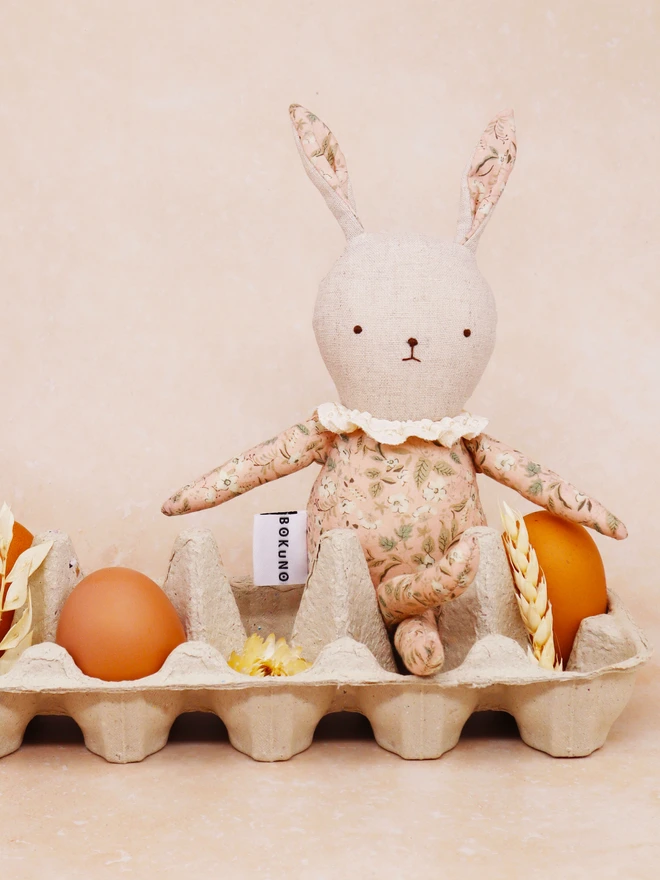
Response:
column 406, row 323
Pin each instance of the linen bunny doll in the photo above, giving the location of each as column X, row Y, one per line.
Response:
column 406, row 326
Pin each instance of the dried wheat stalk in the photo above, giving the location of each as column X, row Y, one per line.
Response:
column 531, row 589
column 15, row 591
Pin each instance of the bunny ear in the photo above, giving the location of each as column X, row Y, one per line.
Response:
column 485, row 177
column 326, row 167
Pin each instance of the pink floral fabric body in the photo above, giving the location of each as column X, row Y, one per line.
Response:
column 407, row 503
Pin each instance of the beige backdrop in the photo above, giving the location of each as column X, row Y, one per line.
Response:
column 161, row 245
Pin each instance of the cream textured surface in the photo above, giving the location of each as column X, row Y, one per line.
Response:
column 491, row 808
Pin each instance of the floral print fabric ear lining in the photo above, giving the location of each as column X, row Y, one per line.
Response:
column 322, row 149
column 491, row 165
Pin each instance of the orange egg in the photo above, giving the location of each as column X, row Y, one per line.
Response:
column 573, row 570
column 119, row 625
column 21, row 540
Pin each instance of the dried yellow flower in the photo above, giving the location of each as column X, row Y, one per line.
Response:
column 531, row 590
column 261, row 658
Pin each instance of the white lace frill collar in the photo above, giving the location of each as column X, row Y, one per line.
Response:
column 448, row 431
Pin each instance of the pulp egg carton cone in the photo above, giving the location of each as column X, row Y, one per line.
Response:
column 335, row 619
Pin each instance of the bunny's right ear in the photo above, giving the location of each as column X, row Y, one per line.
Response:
column 326, row 167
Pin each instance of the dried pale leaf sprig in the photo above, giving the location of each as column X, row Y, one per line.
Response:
column 261, row 658
column 15, row 590
column 531, row 589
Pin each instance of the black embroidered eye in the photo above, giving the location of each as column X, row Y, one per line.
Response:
column 467, row 332
column 357, row 329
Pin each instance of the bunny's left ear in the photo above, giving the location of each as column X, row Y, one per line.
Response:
column 485, row 177
column 325, row 165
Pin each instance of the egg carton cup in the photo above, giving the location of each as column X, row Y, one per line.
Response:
column 336, row 621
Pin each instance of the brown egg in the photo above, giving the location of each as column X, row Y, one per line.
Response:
column 574, row 573
column 118, row 625
column 21, row 540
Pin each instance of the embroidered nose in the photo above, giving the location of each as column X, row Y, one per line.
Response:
column 412, row 342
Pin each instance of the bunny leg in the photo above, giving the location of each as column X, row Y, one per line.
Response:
column 418, row 642
column 408, row 595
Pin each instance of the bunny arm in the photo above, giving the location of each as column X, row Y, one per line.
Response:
column 541, row 486
column 292, row 450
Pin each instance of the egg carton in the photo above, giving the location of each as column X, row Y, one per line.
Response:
column 335, row 619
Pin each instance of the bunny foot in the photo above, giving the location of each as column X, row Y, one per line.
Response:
column 418, row 642
column 409, row 595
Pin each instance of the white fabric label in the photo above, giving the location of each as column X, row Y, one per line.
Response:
column 279, row 548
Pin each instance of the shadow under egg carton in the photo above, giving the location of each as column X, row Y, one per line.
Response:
column 336, row 621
